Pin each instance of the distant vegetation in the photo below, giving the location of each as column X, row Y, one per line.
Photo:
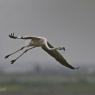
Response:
column 48, row 81
column 29, row 84
column 47, row 69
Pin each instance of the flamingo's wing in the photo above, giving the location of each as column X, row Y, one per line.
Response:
column 57, row 56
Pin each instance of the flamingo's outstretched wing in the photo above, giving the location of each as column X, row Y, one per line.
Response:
column 57, row 56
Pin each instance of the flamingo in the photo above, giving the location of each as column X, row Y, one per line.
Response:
column 36, row 41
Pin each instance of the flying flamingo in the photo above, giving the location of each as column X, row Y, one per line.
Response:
column 45, row 45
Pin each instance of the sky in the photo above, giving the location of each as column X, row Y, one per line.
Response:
column 68, row 23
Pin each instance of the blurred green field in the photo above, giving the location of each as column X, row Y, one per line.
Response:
column 26, row 84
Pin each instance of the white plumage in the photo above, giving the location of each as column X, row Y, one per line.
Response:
column 33, row 42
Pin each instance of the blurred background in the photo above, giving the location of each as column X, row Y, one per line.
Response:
column 68, row 23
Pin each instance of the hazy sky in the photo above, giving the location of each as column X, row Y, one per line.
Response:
column 69, row 23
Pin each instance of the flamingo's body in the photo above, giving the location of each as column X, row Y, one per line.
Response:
column 45, row 45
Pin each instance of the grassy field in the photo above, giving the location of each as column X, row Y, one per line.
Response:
column 26, row 84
